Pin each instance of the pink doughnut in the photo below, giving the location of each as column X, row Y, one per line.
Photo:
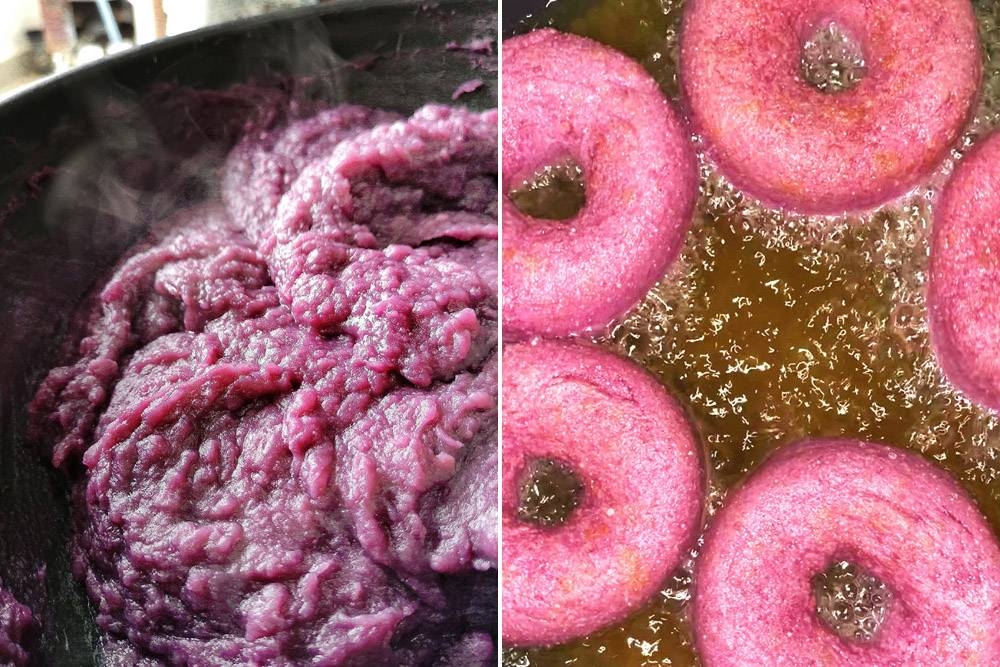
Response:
column 793, row 146
column 567, row 97
column 963, row 299
column 906, row 527
column 640, row 468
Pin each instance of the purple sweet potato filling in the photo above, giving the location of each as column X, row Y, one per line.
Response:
column 285, row 405
column 17, row 626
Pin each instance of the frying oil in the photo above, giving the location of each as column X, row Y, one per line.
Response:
column 773, row 327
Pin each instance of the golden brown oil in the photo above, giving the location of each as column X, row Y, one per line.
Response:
column 771, row 328
column 554, row 192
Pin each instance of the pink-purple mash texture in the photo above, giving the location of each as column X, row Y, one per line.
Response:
column 886, row 510
column 963, row 299
column 796, row 147
column 285, row 405
column 570, row 98
column 640, row 467
column 16, row 627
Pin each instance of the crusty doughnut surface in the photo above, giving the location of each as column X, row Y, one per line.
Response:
column 886, row 511
column 794, row 146
column 965, row 270
column 640, row 467
column 570, row 98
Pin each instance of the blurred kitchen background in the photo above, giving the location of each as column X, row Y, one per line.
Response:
column 42, row 37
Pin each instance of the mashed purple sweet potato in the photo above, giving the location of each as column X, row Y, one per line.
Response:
column 285, row 405
column 16, row 626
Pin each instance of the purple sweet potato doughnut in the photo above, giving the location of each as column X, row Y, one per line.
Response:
column 640, row 467
column 793, row 146
column 885, row 510
column 570, row 97
column 963, row 301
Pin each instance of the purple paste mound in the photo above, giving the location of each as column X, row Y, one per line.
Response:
column 285, row 405
column 17, row 627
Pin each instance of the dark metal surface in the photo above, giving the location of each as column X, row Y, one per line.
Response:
column 77, row 155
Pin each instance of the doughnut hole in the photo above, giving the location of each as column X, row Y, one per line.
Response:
column 851, row 602
column 831, row 60
column 554, row 192
column 549, row 492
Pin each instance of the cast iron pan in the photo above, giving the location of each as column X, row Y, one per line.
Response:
column 79, row 157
